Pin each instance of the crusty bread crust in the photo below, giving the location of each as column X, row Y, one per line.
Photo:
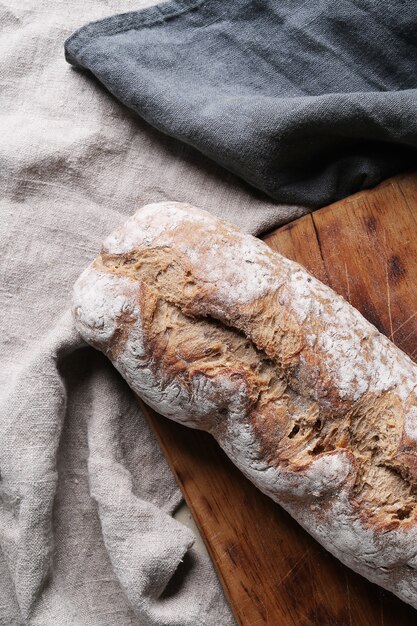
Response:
column 316, row 407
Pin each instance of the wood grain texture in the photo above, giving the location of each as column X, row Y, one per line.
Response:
column 273, row 572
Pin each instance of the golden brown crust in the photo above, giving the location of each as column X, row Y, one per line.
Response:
column 291, row 426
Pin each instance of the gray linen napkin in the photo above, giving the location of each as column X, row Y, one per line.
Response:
column 307, row 101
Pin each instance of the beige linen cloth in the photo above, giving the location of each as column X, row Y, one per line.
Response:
column 87, row 535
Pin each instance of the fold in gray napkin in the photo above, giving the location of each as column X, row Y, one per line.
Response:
column 307, row 101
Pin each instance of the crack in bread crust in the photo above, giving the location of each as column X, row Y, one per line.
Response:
column 292, row 424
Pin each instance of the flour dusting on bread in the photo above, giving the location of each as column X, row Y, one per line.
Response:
column 315, row 406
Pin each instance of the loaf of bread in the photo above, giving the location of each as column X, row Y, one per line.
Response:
column 316, row 407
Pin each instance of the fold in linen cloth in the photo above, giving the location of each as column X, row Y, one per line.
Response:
column 147, row 553
column 307, row 101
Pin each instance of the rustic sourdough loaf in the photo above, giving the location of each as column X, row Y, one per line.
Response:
column 316, row 407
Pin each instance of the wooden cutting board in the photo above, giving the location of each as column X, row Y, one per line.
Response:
column 273, row 572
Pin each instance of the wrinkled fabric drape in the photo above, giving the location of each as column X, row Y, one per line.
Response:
column 307, row 101
column 86, row 497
